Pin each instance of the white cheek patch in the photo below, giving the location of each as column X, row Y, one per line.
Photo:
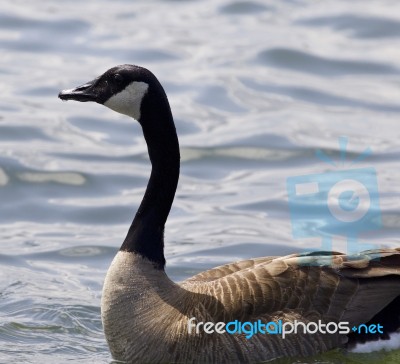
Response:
column 129, row 100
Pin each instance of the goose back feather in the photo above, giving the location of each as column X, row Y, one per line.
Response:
column 350, row 288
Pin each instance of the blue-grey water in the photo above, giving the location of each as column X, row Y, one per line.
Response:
column 256, row 88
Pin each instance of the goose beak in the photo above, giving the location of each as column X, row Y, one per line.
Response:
column 81, row 93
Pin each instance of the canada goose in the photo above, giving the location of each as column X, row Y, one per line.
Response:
column 146, row 316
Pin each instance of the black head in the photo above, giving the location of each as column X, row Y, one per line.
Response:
column 121, row 88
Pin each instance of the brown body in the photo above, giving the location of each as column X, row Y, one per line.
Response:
column 145, row 314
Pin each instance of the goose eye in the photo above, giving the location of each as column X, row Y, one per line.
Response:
column 118, row 78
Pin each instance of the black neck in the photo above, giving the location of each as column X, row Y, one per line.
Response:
column 146, row 234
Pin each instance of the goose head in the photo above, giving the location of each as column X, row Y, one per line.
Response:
column 121, row 88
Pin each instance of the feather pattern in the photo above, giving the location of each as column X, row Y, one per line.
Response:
column 143, row 304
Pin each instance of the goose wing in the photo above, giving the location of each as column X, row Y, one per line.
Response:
column 322, row 286
column 325, row 282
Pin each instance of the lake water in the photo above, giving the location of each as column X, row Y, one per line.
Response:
column 256, row 88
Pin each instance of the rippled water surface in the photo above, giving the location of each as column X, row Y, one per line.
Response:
column 256, row 88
